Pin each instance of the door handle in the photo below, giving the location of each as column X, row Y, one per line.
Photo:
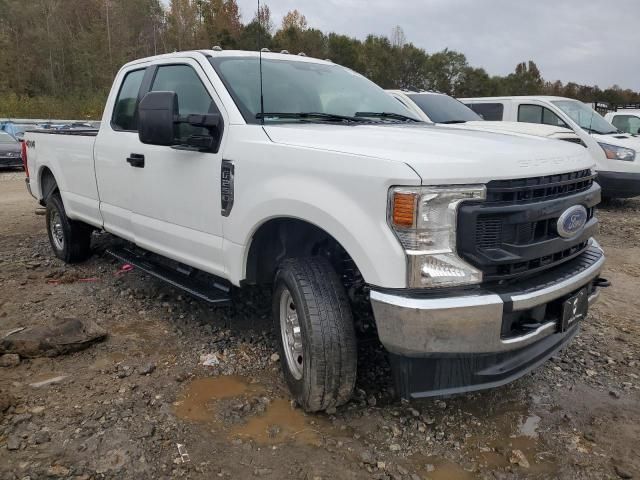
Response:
column 136, row 160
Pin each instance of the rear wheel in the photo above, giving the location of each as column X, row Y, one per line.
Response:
column 314, row 327
column 70, row 240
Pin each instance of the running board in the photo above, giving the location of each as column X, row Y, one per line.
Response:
column 199, row 284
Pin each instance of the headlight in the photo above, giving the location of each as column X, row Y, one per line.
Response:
column 618, row 153
column 424, row 220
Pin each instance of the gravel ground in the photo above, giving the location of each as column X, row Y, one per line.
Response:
column 141, row 404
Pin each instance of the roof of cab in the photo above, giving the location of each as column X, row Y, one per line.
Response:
column 518, row 97
column 229, row 53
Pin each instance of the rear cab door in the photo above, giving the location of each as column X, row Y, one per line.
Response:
column 117, row 139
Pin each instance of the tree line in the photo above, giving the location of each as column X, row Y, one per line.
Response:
column 58, row 57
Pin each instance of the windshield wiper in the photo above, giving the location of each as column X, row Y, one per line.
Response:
column 449, row 122
column 309, row 115
column 395, row 116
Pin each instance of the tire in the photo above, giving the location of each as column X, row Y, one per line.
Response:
column 69, row 239
column 322, row 373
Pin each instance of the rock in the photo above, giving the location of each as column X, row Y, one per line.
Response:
column 57, row 471
column 274, row 357
column 367, row 458
column 621, row 470
column 41, row 437
column 372, row 401
column 13, row 442
column 6, row 401
column 518, row 458
column 147, row 368
column 261, row 472
column 394, row 447
column 48, row 381
column 402, row 470
column 614, row 393
column 331, row 410
column 381, row 465
column 10, row 360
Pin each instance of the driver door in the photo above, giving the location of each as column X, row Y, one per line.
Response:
column 176, row 206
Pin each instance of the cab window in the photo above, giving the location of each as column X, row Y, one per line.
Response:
column 539, row 114
column 124, row 112
column 493, row 112
column 627, row 123
column 193, row 97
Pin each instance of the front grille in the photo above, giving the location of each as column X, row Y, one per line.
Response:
column 535, row 189
column 514, row 234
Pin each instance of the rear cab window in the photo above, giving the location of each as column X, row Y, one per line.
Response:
column 124, row 116
column 627, row 123
column 528, row 113
column 493, row 112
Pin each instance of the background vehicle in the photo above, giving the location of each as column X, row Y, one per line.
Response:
column 16, row 130
column 443, row 109
column 625, row 118
column 313, row 179
column 617, row 154
column 10, row 151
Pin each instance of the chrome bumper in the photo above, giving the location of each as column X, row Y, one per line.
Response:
column 466, row 324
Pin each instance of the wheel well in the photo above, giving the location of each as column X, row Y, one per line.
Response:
column 48, row 184
column 283, row 238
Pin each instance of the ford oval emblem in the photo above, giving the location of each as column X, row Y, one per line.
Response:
column 572, row 221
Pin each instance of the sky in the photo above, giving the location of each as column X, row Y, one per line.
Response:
column 593, row 42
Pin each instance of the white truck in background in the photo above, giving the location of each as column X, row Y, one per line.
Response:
column 616, row 154
column 475, row 250
column 625, row 118
column 445, row 110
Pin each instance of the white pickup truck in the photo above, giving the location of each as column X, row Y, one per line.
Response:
column 474, row 249
column 616, row 154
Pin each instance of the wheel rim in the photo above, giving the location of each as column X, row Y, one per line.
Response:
column 291, row 334
column 55, row 226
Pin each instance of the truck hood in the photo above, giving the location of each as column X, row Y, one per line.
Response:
column 440, row 154
column 10, row 147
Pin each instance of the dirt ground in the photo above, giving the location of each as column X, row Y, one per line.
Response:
column 141, row 404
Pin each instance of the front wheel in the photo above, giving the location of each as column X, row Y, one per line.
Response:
column 70, row 240
column 316, row 337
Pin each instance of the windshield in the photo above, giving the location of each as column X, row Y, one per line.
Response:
column 443, row 108
column 6, row 138
column 296, row 87
column 585, row 116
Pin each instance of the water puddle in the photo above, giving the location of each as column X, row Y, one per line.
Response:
column 198, row 401
column 435, row 468
column 529, row 427
column 277, row 424
column 221, row 401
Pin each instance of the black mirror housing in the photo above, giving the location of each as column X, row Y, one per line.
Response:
column 156, row 118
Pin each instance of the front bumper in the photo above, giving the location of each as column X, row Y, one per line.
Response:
column 619, row 184
column 451, row 344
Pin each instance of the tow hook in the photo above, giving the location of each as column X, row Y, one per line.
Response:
column 601, row 282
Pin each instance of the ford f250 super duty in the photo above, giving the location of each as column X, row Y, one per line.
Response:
column 228, row 168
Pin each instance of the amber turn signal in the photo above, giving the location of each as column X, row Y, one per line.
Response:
column 404, row 209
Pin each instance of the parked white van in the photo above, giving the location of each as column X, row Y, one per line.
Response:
column 617, row 154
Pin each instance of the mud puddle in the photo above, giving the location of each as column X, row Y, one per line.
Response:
column 238, row 406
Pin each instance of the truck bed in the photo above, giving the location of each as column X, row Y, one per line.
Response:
column 68, row 155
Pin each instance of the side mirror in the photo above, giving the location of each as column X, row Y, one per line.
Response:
column 160, row 124
column 638, row 132
column 156, row 114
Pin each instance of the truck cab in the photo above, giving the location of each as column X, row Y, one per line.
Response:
column 222, row 169
column 617, row 154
